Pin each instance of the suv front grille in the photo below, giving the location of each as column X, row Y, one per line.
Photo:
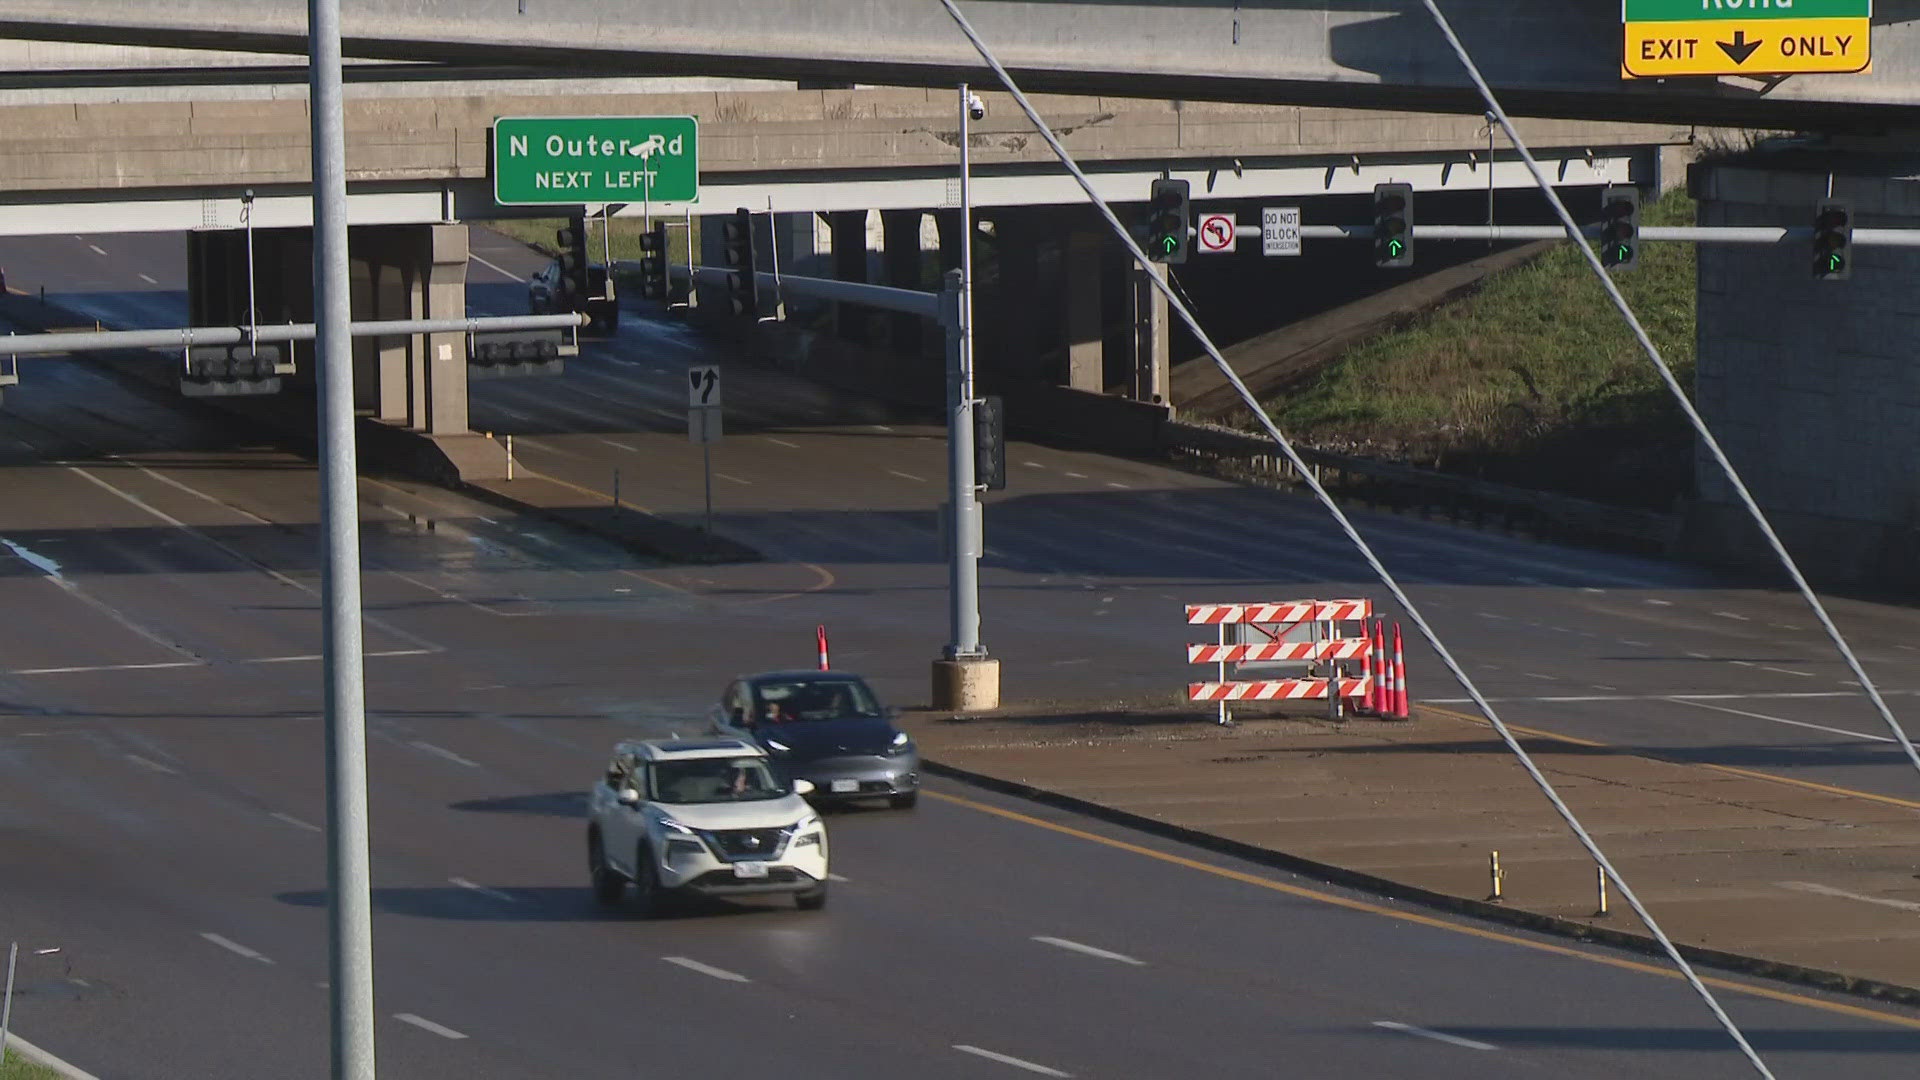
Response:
column 734, row 845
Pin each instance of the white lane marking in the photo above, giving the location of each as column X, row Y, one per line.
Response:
column 1784, row 720
column 1118, row 484
column 706, row 969
column 1033, row 465
column 1787, row 671
column 1603, row 686
column 1731, row 615
column 150, row 764
column 313, row 657
column 1078, row 660
column 97, row 249
column 445, row 753
column 1828, row 890
column 483, row 890
column 1909, row 648
column 1634, row 644
column 735, row 479
column 905, row 476
column 835, row 877
column 1661, row 603
column 293, row 821
column 782, row 442
column 495, row 267
column 1007, row 1060
column 425, row 1024
column 235, row 947
column 1452, row 1040
column 1743, row 663
column 880, row 427
column 618, row 445
column 1077, row 475
column 1591, row 589
column 148, row 280
column 1699, row 656
column 1491, row 615
column 1074, row 946
column 1537, row 675
column 106, row 667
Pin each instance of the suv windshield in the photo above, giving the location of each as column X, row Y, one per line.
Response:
column 815, row 699
column 714, row 780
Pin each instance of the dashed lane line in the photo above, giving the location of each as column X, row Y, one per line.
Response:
column 1787, row 671
column 235, row 947
column 1437, row 1036
column 425, row 1024
column 483, row 890
column 1828, row 890
column 1008, row 1059
column 1783, row 720
column 441, row 751
column 147, row 763
column 1088, row 950
column 906, row 476
column 706, row 969
column 782, row 442
column 293, row 821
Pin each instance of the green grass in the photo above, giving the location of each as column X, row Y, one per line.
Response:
column 17, row 1068
column 1538, row 360
column 626, row 236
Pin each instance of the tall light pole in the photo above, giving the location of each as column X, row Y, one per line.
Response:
column 349, row 905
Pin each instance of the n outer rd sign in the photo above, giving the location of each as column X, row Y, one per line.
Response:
column 570, row 160
column 1745, row 37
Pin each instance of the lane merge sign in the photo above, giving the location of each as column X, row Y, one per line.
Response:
column 1744, row 37
column 570, row 160
column 1217, row 235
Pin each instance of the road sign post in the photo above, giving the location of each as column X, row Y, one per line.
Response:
column 1744, row 37
column 703, row 421
column 571, row 160
column 1280, row 230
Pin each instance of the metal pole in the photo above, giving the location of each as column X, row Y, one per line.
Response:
column 6, row 1004
column 706, row 460
column 253, row 311
column 350, row 908
column 964, row 570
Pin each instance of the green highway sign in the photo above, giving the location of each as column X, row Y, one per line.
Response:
column 570, row 160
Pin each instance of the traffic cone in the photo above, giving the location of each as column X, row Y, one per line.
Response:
column 1399, row 677
column 1386, row 673
column 1364, row 702
column 820, row 635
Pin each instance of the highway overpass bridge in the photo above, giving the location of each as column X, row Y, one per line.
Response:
column 1560, row 59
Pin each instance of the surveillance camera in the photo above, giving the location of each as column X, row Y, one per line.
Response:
column 976, row 108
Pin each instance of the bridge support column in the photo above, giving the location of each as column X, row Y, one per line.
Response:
column 850, row 264
column 1810, row 385
column 1082, row 266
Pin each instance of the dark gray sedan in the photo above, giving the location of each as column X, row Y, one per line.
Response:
column 826, row 727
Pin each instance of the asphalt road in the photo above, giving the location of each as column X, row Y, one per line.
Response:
column 159, row 751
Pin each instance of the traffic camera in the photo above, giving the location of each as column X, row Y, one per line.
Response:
column 1168, row 215
column 743, row 288
column 1393, row 225
column 1833, row 241
column 653, row 263
column 1620, row 228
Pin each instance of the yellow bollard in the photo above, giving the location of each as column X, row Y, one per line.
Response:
column 1498, row 875
column 1601, row 873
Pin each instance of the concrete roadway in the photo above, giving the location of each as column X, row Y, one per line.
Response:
column 159, row 755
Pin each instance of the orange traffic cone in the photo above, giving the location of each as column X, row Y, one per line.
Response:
column 820, row 637
column 1364, row 702
column 1399, row 677
column 1386, row 672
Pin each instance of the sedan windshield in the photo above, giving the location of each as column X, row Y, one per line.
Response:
column 815, row 699
column 714, row 780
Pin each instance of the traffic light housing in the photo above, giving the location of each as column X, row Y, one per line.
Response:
column 1620, row 227
column 990, row 443
column 575, row 282
column 743, row 287
column 653, row 263
column 1833, row 241
column 1168, row 216
column 230, row 370
column 1393, row 224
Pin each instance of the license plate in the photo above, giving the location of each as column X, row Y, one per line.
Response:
column 749, row 869
column 841, row 786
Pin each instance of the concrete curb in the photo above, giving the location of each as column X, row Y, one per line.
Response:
column 40, row 1057
column 1737, row 963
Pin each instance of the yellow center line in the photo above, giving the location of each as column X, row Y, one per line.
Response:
column 1369, row 908
column 1730, row 770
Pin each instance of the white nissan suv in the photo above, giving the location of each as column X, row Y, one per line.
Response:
column 678, row 817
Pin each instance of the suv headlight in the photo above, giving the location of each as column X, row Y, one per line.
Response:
column 668, row 825
column 808, row 832
column 901, row 744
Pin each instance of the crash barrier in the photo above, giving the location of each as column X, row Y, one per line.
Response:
column 1304, row 632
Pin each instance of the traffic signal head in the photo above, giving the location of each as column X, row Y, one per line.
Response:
column 653, row 263
column 1168, row 215
column 574, row 283
column 1393, row 224
column 1833, row 241
column 1620, row 227
column 743, row 288
column 990, row 444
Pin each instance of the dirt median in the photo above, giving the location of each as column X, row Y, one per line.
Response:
column 1766, row 875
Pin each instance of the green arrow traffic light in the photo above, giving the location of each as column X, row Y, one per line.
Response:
column 1395, row 247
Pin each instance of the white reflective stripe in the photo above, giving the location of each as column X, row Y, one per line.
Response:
column 1074, row 946
column 1441, row 1036
column 424, row 1024
column 1005, row 1059
column 706, row 969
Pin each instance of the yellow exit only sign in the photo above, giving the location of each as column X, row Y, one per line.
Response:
column 1745, row 37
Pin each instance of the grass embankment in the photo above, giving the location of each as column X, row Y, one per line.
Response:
column 18, row 1068
column 538, row 232
column 1534, row 380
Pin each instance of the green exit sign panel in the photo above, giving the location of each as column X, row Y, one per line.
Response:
column 569, row 160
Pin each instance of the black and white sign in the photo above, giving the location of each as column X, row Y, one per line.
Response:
column 1217, row 233
column 703, row 386
column 703, row 424
column 1280, row 230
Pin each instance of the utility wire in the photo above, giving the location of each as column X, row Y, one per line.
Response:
column 1673, row 386
column 1413, row 613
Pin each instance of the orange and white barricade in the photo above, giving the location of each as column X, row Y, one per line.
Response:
column 1299, row 632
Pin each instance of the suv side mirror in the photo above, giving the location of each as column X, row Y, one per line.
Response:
column 803, row 787
column 628, row 797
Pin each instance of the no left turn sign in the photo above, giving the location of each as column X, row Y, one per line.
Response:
column 1217, row 232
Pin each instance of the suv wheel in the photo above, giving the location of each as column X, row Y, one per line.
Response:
column 811, row 899
column 608, row 885
column 648, row 895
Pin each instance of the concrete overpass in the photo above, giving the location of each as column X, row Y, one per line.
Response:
column 1548, row 59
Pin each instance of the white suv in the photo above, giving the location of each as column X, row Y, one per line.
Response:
column 679, row 816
